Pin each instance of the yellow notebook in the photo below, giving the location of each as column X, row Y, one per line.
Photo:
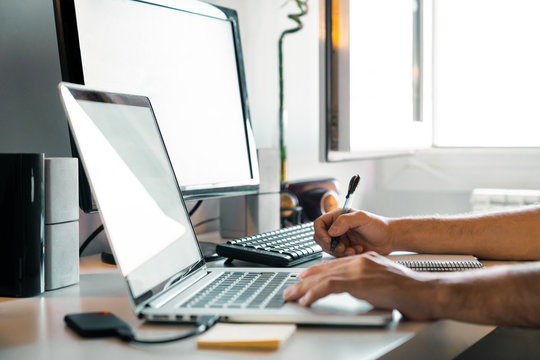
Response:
column 246, row 336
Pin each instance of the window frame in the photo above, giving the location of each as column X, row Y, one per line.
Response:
column 331, row 152
column 423, row 51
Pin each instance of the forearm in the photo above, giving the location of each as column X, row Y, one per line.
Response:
column 505, row 295
column 507, row 236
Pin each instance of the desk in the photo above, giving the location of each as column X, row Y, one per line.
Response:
column 33, row 328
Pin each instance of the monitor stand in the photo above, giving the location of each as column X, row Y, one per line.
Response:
column 249, row 214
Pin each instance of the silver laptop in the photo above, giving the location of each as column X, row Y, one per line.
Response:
column 151, row 235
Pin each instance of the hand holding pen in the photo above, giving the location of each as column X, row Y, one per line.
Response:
column 353, row 184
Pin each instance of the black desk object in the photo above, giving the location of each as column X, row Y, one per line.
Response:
column 22, row 204
column 280, row 248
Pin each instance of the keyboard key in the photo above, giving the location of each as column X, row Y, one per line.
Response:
column 249, row 290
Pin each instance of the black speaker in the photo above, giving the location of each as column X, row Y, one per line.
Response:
column 306, row 200
column 22, row 203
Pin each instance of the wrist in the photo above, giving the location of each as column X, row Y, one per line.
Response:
column 396, row 234
column 441, row 295
column 423, row 299
column 415, row 234
column 432, row 299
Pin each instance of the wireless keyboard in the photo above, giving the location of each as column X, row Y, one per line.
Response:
column 280, row 248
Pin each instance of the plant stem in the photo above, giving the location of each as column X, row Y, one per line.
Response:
column 302, row 5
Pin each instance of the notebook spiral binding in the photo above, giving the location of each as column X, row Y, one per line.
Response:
column 440, row 265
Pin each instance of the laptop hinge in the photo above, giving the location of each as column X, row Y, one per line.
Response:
column 177, row 288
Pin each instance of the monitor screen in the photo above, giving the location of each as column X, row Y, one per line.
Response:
column 185, row 56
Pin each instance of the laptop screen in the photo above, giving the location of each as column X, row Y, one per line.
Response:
column 135, row 187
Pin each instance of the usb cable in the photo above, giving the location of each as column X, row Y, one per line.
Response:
column 205, row 323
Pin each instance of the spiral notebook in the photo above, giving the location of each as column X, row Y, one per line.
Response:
column 437, row 262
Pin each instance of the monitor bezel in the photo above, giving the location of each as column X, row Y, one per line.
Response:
column 72, row 72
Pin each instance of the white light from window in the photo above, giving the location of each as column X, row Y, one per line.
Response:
column 487, row 73
column 381, row 63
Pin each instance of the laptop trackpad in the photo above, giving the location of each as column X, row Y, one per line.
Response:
column 341, row 304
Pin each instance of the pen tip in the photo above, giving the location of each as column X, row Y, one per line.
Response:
column 355, row 180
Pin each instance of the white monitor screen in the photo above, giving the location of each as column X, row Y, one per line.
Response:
column 186, row 63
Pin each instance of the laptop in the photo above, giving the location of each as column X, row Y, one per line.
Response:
column 152, row 238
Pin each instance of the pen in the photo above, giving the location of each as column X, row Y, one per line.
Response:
column 353, row 184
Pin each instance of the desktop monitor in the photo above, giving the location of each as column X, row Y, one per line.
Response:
column 186, row 56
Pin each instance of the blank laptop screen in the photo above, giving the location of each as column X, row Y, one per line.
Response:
column 134, row 185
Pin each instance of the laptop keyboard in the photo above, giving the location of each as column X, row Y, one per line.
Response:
column 244, row 290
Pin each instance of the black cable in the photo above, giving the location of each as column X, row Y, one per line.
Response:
column 208, row 248
column 90, row 238
column 204, row 324
column 205, row 222
column 195, row 207
column 100, row 229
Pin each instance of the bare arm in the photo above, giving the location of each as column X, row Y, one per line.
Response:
column 502, row 295
column 505, row 295
column 511, row 235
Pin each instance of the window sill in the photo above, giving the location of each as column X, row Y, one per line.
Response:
column 481, row 157
column 463, row 156
column 339, row 156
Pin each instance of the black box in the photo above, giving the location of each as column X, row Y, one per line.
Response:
column 22, row 203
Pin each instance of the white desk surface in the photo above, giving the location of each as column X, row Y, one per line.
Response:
column 33, row 328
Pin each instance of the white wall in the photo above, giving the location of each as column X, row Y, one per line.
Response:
column 438, row 181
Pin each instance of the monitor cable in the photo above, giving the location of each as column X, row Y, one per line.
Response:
column 208, row 248
column 205, row 222
column 89, row 239
column 108, row 258
column 195, row 207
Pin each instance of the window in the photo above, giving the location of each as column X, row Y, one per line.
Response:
column 487, row 73
column 403, row 75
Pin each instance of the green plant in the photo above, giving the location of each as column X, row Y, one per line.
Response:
column 303, row 7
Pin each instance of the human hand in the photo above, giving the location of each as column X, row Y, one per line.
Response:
column 370, row 277
column 358, row 232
